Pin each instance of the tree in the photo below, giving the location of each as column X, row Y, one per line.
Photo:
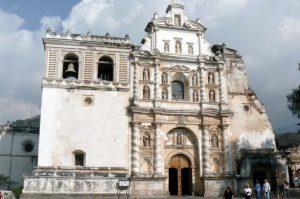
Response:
column 294, row 102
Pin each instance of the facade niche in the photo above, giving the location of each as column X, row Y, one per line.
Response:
column 164, row 78
column 164, row 94
column 105, row 69
column 70, row 66
column 146, row 74
column 190, row 49
column 178, row 47
column 166, row 47
column 212, row 96
column 214, row 141
column 146, row 92
column 79, row 158
column 177, row 20
column 211, row 79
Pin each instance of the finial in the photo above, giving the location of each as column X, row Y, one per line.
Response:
column 89, row 33
column 107, row 34
column 173, row 1
column 127, row 37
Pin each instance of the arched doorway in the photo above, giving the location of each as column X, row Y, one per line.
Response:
column 263, row 171
column 180, row 175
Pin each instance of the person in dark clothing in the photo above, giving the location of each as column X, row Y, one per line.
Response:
column 228, row 194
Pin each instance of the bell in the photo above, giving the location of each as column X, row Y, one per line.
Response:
column 70, row 73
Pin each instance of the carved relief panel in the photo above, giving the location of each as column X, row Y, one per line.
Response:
column 179, row 137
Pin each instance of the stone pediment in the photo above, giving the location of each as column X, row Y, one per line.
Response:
column 179, row 67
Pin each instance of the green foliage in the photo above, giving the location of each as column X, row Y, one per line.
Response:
column 5, row 181
column 294, row 102
column 17, row 191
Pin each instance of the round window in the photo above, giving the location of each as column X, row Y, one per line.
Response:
column 28, row 146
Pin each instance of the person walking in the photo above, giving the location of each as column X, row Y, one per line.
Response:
column 280, row 190
column 267, row 189
column 228, row 194
column 286, row 187
column 247, row 191
column 257, row 190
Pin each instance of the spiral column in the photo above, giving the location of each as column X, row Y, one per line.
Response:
column 157, row 151
column 205, row 139
column 227, row 151
column 222, row 85
column 135, row 150
column 202, row 83
column 135, row 80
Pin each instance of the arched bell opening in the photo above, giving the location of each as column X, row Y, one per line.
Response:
column 105, row 69
column 70, row 66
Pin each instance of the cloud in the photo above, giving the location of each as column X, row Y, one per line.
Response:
column 20, row 72
column 290, row 29
column 12, row 109
column 54, row 23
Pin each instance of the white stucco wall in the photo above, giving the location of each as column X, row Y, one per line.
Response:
column 100, row 130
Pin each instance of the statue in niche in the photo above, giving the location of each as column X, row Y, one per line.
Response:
column 194, row 80
column 212, row 96
column 179, row 139
column 164, row 94
column 146, row 92
column 164, row 78
column 195, row 96
column 146, row 140
column 146, row 74
column 210, row 78
column 214, row 141
column 178, row 47
column 166, row 47
column 191, row 50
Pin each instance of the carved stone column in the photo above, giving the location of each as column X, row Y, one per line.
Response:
column 205, row 140
column 135, row 80
column 135, row 150
column 222, row 85
column 227, row 151
column 157, row 79
column 157, row 152
column 202, row 82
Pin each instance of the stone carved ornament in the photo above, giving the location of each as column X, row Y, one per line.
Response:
column 179, row 137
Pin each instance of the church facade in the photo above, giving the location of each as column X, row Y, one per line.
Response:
column 174, row 116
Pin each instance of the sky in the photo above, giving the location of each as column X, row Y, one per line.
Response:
column 265, row 32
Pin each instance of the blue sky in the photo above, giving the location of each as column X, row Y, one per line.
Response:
column 266, row 33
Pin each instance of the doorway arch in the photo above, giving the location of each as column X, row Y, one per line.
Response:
column 180, row 175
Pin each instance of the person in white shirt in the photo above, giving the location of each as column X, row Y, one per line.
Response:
column 247, row 192
column 267, row 189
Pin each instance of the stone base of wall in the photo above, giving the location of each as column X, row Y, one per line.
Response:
column 215, row 186
column 148, row 187
column 88, row 183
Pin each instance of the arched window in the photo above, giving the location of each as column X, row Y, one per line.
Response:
column 177, row 90
column 212, row 96
column 180, row 87
column 178, row 47
column 146, row 92
column 79, row 158
column 105, row 69
column 70, row 66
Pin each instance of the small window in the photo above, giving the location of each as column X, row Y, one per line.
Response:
column 166, row 47
column 88, row 100
column 70, row 66
column 178, row 48
column 246, row 108
column 28, row 146
column 79, row 157
column 177, row 90
column 105, row 69
column 190, row 49
column 177, row 20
